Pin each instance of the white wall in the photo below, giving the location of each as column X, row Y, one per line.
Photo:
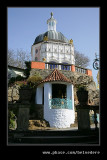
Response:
column 39, row 95
column 58, row 118
column 47, row 96
column 61, row 52
column 70, row 95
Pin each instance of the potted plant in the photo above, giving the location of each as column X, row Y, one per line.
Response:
column 82, row 95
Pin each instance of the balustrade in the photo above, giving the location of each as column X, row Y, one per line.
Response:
column 79, row 69
column 57, row 103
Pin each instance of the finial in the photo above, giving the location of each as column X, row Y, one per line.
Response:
column 51, row 14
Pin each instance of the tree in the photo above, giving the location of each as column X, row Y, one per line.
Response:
column 28, row 68
column 17, row 59
column 81, row 60
column 11, row 57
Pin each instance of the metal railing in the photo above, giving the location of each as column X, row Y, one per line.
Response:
column 58, row 103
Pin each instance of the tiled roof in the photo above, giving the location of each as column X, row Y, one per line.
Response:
column 56, row 76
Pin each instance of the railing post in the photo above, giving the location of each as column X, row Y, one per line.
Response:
column 89, row 72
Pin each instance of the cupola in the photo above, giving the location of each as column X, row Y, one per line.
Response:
column 51, row 23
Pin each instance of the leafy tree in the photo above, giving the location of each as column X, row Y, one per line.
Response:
column 81, row 60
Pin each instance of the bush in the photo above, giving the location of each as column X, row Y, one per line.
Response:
column 28, row 68
column 34, row 80
column 12, row 119
column 14, row 79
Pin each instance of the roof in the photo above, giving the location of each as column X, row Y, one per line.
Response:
column 56, row 76
column 52, row 35
column 17, row 68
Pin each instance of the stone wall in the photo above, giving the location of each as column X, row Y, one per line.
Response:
column 37, row 112
column 78, row 78
column 13, row 93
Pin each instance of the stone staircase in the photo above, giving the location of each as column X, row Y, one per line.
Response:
column 52, row 137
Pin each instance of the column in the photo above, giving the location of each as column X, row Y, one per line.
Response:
column 73, row 68
column 39, row 94
column 23, row 117
column 83, row 118
column 70, row 94
column 47, row 96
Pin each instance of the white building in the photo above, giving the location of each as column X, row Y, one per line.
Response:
column 53, row 46
column 56, row 91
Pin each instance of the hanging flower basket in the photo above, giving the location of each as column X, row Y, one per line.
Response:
column 82, row 95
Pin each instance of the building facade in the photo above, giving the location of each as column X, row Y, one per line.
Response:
column 53, row 51
column 53, row 47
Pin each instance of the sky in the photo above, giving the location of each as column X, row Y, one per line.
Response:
column 77, row 23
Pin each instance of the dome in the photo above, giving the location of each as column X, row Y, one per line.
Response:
column 52, row 35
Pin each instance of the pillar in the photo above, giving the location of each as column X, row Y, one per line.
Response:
column 73, row 68
column 83, row 118
column 70, row 95
column 89, row 72
column 47, row 96
column 39, row 95
column 23, row 117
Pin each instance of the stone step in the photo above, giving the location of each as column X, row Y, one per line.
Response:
column 74, row 132
column 57, row 140
column 54, row 137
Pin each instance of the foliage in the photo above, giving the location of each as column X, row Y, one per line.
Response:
column 81, row 87
column 12, row 119
column 14, row 79
column 81, row 60
column 21, row 83
column 28, row 68
column 34, row 80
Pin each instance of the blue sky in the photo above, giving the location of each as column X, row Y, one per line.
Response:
column 77, row 23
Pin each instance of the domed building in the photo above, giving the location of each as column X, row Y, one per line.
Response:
column 53, row 47
column 51, row 53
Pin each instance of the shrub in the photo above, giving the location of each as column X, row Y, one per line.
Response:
column 34, row 80
column 28, row 68
column 12, row 119
column 81, row 88
column 14, row 79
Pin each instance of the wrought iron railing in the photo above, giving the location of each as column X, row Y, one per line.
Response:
column 58, row 103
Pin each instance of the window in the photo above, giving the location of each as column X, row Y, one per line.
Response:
column 65, row 67
column 36, row 51
column 36, row 58
column 53, row 66
column 50, row 23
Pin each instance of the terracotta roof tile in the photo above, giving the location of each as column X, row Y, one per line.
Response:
column 56, row 76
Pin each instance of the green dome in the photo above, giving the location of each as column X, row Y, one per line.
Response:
column 52, row 35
